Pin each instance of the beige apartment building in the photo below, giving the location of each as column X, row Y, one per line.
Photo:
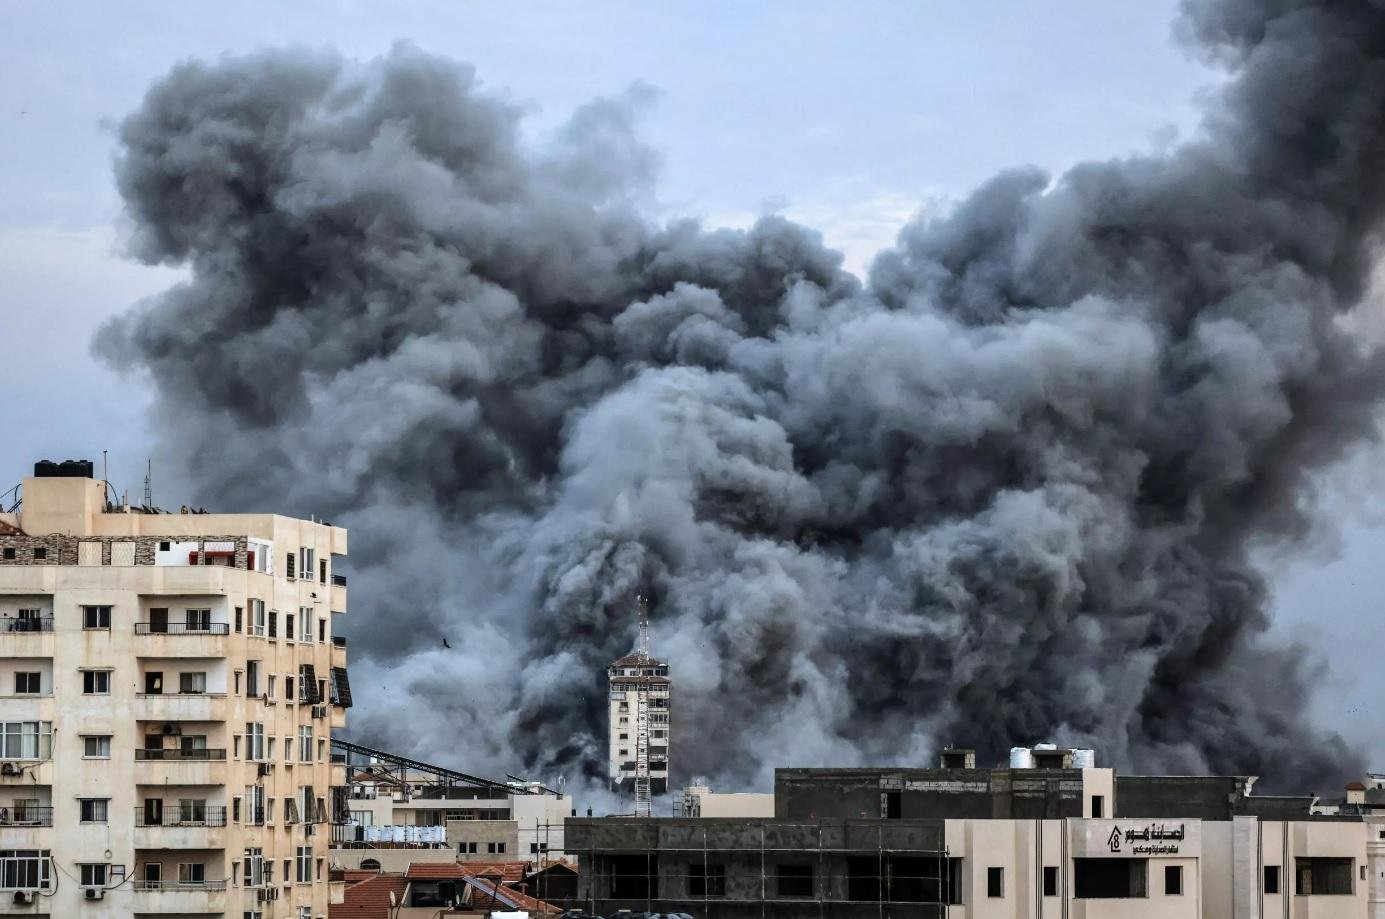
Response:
column 169, row 684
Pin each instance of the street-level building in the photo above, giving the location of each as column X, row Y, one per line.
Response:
column 169, row 684
column 1045, row 839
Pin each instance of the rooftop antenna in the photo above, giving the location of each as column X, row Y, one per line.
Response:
column 643, row 804
column 149, row 484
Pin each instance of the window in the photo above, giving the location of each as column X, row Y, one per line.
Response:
column 466, row 848
column 27, row 739
column 794, row 880
column 290, row 565
column 995, row 882
column 40, row 552
column 624, row 737
column 254, row 740
column 240, row 617
column 273, row 624
column 891, row 805
column 254, row 867
column 495, row 848
column 305, row 621
column 305, row 912
column 24, row 869
column 1050, row 880
column 199, row 620
column 28, row 683
column 93, row 810
column 96, row 682
column 288, row 749
column 257, row 618
column 269, row 685
column 96, row 617
column 1322, row 877
column 1109, row 878
column 93, row 875
column 305, row 743
column 1098, row 805
column 1271, row 879
column 1173, row 880
column 192, row 873
column 252, row 679
column 9, row 553
column 288, row 689
column 306, row 563
column 288, row 626
column 96, row 746
column 192, row 683
column 304, row 859
column 706, row 880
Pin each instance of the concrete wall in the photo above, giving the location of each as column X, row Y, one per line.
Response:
column 486, row 834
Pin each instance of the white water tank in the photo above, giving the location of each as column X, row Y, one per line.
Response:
column 1045, row 747
column 1083, row 759
column 1021, row 758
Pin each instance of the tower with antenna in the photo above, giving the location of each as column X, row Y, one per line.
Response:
column 639, row 721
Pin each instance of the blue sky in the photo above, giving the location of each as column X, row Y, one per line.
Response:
column 847, row 117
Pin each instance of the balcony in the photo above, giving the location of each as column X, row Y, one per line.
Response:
column 205, row 754
column 15, row 624
column 175, row 816
column 182, row 706
column 26, row 637
column 181, row 767
column 178, row 639
column 181, row 628
column 180, row 897
column 25, row 816
column 177, row 829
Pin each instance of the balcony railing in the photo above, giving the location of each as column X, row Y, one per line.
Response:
column 181, row 628
column 173, row 816
column 159, row 886
column 26, row 816
column 40, row 624
column 176, row 753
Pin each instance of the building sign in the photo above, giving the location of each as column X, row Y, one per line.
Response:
column 1136, row 838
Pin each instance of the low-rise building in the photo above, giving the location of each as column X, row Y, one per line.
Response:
column 701, row 801
column 1052, row 837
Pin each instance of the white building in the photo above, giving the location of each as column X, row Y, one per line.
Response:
column 168, row 688
column 403, row 812
column 701, row 801
column 624, row 677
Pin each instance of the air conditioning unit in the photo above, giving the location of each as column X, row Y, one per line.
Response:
column 265, row 768
column 261, row 895
column 94, row 893
column 172, row 729
column 11, row 769
column 23, row 896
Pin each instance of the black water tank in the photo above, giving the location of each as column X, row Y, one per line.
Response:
column 46, row 469
column 77, row 469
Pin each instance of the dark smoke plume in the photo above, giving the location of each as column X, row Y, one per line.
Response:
column 1005, row 491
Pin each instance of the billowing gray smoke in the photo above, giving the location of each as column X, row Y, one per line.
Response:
column 1003, row 492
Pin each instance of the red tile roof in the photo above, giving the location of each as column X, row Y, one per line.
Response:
column 370, row 899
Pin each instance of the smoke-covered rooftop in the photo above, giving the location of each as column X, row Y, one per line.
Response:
column 1005, row 488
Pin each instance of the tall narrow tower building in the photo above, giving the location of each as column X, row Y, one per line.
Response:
column 639, row 725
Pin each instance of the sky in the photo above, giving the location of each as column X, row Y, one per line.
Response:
column 848, row 117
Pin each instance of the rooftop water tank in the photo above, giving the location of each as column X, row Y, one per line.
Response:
column 1083, row 759
column 1021, row 758
column 1045, row 747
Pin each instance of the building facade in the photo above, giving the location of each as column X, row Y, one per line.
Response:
column 1047, row 840
column 624, row 678
column 169, row 684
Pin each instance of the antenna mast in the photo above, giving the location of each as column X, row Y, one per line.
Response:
column 149, row 484
column 643, row 804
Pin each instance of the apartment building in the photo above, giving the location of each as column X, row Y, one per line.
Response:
column 625, row 677
column 1045, row 838
column 169, row 684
